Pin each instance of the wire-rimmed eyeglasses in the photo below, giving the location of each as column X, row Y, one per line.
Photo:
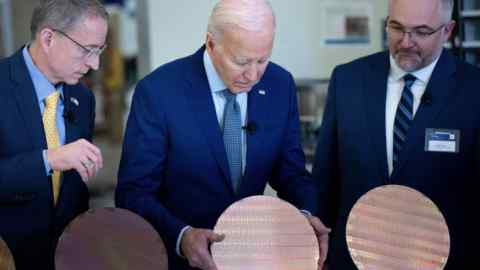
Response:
column 87, row 52
column 420, row 33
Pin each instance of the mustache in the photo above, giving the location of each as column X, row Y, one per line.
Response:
column 407, row 51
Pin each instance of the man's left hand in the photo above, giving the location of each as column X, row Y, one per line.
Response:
column 321, row 231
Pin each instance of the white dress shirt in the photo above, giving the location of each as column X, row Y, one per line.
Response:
column 394, row 93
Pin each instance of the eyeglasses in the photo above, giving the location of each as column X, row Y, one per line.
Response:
column 421, row 33
column 87, row 52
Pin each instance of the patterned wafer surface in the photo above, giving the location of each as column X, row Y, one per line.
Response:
column 395, row 227
column 264, row 233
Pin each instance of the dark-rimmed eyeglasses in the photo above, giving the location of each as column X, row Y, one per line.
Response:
column 87, row 52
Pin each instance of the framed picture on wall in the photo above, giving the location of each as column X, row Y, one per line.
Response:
column 347, row 23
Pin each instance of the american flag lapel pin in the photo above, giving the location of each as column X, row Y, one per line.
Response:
column 74, row 101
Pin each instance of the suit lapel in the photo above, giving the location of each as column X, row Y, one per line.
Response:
column 256, row 108
column 27, row 102
column 440, row 88
column 375, row 93
column 201, row 103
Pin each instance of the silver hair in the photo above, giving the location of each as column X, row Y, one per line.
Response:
column 447, row 6
column 64, row 14
column 251, row 15
column 447, row 9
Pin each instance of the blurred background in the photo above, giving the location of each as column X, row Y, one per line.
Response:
column 313, row 36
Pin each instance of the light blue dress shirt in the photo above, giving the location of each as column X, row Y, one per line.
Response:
column 216, row 87
column 44, row 88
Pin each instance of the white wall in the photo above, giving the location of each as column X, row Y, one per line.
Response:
column 298, row 45
column 177, row 28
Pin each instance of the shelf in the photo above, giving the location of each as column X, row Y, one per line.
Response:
column 472, row 14
column 467, row 34
column 474, row 44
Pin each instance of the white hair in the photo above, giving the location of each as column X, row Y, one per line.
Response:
column 250, row 15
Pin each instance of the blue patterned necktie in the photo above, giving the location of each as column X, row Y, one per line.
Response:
column 232, row 137
column 403, row 118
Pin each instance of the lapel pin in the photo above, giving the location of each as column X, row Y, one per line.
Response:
column 262, row 92
column 74, row 101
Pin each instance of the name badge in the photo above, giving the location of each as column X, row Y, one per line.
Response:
column 442, row 140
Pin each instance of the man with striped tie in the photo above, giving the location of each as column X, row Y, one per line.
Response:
column 407, row 116
column 46, row 127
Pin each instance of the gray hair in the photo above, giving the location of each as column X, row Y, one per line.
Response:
column 447, row 9
column 250, row 15
column 64, row 14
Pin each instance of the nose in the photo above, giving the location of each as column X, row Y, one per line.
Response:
column 252, row 72
column 93, row 62
column 406, row 40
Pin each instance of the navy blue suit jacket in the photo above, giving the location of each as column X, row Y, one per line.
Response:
column 30, row 224
column 174, row 170
column 351, row 157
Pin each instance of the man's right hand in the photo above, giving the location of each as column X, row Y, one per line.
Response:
column 80, row 155
column 194, row 246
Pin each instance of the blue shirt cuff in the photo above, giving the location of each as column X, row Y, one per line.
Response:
column 48, row 170
column 179, row 241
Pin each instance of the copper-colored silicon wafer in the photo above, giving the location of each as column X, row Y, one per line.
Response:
column 6, row 258
column 396, row 227
column 265, row 233
column 108, row 239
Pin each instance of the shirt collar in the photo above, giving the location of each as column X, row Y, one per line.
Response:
column 423, row 75
column 43, row 87
column 215, row 82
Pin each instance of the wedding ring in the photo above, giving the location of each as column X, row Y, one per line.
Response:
column 87, row 164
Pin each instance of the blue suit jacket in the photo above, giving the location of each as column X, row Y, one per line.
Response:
column 174, row 169
column 30, row 224
column 351, row 157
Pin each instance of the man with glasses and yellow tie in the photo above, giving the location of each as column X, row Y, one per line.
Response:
column 407, row 116
column 46, row 127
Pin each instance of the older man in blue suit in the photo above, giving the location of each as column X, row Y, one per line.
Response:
column 186, row 157
column 408, row 116
column 46, row 124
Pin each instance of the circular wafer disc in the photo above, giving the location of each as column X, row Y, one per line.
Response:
column 265, row 233
column 108, row 239
column 6, row 258
column 396, row 227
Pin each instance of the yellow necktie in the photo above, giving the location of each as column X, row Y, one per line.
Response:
column 51, row 134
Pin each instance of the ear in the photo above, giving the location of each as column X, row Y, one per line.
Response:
column 46, row 38
column 209, row 42
column 449, row 28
